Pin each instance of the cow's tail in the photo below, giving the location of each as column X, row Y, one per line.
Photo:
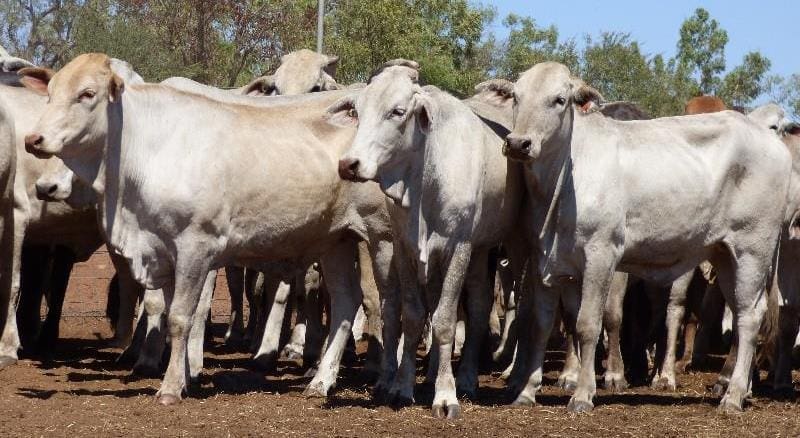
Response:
column 770, row 327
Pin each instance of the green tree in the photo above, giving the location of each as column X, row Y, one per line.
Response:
column 39, row 30
column 747, row 81
column 702, row 46
column 786, row 92
column 527, row 44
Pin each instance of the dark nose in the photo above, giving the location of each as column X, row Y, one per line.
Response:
column 46, row 192
column 32, row 141
column 348, row 169
column 517, row 143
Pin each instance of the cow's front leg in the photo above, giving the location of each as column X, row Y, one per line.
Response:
column 11, row 244
column 545, row 305
column 749, row 305
column 182, row 297
column 788, row 323
column 387, row 281
column 596, row 282
column 479, row 306
column 443, row 324
column 665, row 377
column 570, row 303
column 197, row 333
column 338, row 269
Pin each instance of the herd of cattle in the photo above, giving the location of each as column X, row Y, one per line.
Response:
column 370, row 208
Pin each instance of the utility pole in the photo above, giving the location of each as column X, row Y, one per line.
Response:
column 320, row 18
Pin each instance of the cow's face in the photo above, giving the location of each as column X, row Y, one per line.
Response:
column 55, row 183
column 544, row 100
column 75, row 120
column 388, row 112
column 300, row 72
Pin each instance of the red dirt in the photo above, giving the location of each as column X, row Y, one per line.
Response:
column 84, row 392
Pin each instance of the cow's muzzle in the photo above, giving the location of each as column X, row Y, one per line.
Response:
column 348, row 170
column 33, row 145
column 519, row 147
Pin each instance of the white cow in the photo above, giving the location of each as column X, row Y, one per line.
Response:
column 454, row 197
column 176, row 207
column 9, row 244
column 613, row 195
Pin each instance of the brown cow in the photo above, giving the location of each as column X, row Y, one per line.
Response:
column 704, row 104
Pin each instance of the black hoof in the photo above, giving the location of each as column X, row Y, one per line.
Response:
column 380, row 395
column 469, row 394
column 401, row 401
column 148, row 371
column 785, row 393
column 266, row 363
column 719, row 389
column 579, row 406
column 569, row 386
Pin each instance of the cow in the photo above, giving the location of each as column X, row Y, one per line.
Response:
column 9, row 244
column 174, row 223
column 55, row 234
column 704, row 105
column 453, row 198
column 612, row 196
column 300, row 72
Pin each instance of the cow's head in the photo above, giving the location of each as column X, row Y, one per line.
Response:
column 388, row 112
column 55, row 183
column 80, row 98
column 300, row 72
column 546, row 98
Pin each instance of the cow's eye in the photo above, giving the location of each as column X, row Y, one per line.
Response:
column 774, row 127
column 560, row 100
column 86, row 94
column 316, row 89
column 352, row 113
column 398, row 112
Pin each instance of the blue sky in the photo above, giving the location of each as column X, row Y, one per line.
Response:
column 771, row 26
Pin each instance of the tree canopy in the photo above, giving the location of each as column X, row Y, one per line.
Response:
column 227, row 42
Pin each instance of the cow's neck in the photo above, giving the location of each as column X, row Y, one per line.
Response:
column 548, row 177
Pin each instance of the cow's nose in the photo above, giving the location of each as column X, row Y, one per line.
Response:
column 348, row 168
column 46, row 192
column 518, row 143
column 32, row 142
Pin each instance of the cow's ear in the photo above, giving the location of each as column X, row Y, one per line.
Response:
column 328, row 83
column 261, row 86
column 343, row 112
column 792, row 128
column 36, row 78
column 331, row 65
column 115, row 88
column 586, row 98
column 423, row 108
column 496, row 91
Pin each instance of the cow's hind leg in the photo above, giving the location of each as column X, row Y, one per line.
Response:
column 665, row 376
column 568, row 377
column 478, row 304
column 267, row 356
column 197, row 333
column 150, row 351
column 11, row 245
column 788, row 324
column 338, row 269
column 234, row 276
column 63, row 261
column 386, row 280
column 614, row 377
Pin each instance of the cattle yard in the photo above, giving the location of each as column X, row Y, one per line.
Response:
column 84, row 392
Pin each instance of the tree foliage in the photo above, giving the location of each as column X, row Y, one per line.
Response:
column 227, row 42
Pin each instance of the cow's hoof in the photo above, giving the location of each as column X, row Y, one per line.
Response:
column 579, row 406
column 266, row 363
column 401, row 401
column 663, row 384
column 168, row 399
column 524, row 400
column 730, row 408
column 616, row 384
column 146, row 370
column 719, row 389
column 451, row 412
column 683, row 366
column 6, row 361
column 380, row 395
column 127, row 357
column 315, row 391
column 568, row 385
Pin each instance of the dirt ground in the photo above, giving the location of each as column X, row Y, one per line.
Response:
column 84, row 392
